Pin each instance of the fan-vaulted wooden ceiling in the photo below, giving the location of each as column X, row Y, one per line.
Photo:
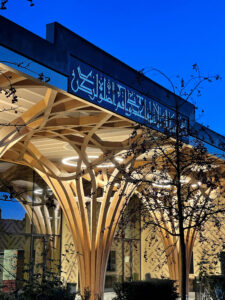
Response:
column 54, row 118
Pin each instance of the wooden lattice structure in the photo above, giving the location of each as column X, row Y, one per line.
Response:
column 59, row 120
column 84, row 129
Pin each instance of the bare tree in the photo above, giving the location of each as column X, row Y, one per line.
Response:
column 178, row 181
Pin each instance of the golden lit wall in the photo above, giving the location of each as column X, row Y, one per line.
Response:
column 153, row 259
column 212, row 245
column 152, row 256
column 11, row 236
column 68, row 256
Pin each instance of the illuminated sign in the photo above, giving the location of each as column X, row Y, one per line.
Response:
column 98, row 88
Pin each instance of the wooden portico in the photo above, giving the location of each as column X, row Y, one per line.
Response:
column 59, row 125
column 76, row 114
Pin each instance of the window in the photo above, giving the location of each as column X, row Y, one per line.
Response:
column 1, row 265
column 222, row 262
column 192, row 264
column 111, row 267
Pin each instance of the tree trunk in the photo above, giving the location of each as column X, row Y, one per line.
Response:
column 96, row 281
column 180, row 210
column 183, row 265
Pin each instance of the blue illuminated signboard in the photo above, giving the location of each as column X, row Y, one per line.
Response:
column 98, row 88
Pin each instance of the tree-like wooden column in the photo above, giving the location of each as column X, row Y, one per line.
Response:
column 46, row 222
column 164, row 218
column 172, row 250
column 92, row 236
column 75, row 122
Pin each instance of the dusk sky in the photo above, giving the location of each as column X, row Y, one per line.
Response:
column 170, row 35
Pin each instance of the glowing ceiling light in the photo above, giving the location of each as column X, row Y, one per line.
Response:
column 106, row 166
column 68, row 161
column 40, row 191
column 184, row 181
column 119, row 159
column 167, row 186
column 194, row 185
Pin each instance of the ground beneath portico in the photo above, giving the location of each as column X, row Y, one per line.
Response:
column 111, row 295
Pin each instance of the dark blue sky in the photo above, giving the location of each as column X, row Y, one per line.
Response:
column 170, row 35
column 10, row 208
